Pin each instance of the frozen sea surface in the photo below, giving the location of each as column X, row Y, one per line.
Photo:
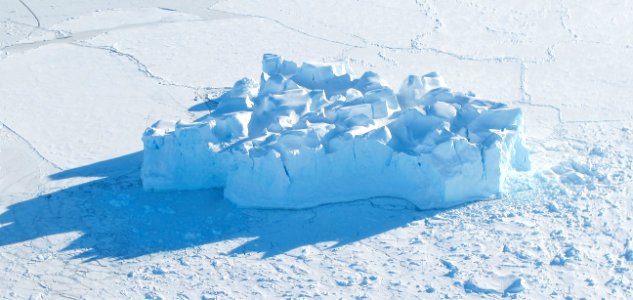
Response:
column 79, row 81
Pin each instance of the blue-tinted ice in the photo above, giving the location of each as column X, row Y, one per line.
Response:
column 313, row 134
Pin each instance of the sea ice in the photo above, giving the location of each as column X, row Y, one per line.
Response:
column 313, row 134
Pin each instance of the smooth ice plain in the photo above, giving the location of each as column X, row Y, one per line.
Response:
column 81, row 81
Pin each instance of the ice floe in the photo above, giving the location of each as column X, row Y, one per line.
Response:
column 312, row 134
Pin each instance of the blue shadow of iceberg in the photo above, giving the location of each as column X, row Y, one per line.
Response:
column 118, row 219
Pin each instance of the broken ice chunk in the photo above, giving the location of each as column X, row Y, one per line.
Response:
column 368, row 82
column 313, row 135
column 416, row 87
column 443, row 110
column 330, row 77
column 230, row 127
column 352, row 94
column 274, row 64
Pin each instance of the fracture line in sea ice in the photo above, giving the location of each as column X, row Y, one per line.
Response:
column 32, row 13
column 30, row 146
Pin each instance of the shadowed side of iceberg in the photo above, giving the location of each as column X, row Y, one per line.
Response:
column 312, row 134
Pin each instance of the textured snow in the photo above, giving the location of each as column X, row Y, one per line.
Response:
column 80, row 80
column 312, row 134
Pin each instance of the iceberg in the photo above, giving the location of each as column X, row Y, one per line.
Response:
column 313, row 134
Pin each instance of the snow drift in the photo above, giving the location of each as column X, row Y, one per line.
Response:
column 313, row 134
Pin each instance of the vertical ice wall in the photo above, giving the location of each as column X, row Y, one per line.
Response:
column 312, row 134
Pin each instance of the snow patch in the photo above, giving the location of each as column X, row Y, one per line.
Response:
column 313, row 134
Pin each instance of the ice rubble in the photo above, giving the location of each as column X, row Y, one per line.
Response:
column 312, row 134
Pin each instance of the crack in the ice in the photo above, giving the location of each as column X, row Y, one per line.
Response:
column 25, row 24
column 69, row 37
column 388, row 60
column 558, row 111
column 30, row 145
column 597, row 121
column 286, row 170
column 140, row 66
column 484, row 171
column 32, row 13
column 430, row 12
column 416, row 47
column 287, row 27
column 525, row 95
column 564, row 18
column 505, row 33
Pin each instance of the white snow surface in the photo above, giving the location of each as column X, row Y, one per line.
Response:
column 80, row 80
column 312, row 134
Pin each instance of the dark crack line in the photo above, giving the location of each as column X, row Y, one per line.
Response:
column 140, row 66
column 564, row 19
column 598, row 121
column 494, row 59
column 558, row 111
column 525, row 95
column 30, row 146
column 287, row 27
column 430, row 12
column 68, row 37
column 417, row 48
column 32, row 13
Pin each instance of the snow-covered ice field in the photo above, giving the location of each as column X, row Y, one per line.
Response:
column 81, row 80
